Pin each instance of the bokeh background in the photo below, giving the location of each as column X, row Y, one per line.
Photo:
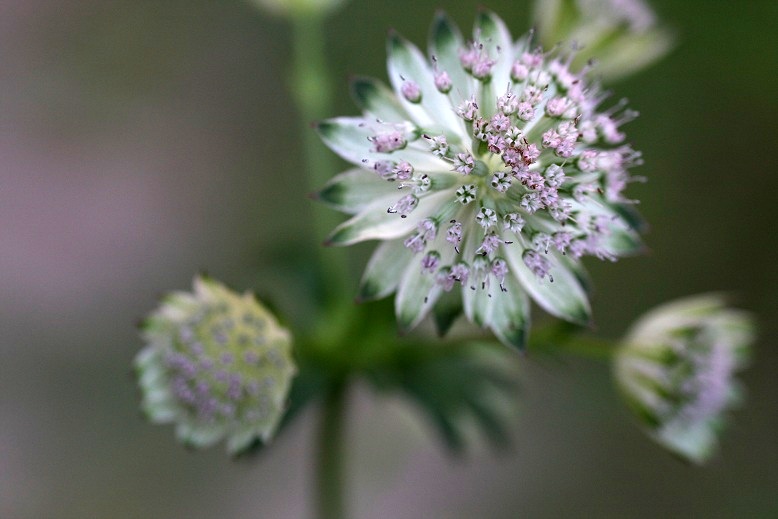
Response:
column 142, row 141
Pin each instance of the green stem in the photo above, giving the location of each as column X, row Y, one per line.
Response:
column 329, row 470
column 312, row 90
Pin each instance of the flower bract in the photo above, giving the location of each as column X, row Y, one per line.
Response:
column 217, row 364
column 676, row 370
column 487, row 171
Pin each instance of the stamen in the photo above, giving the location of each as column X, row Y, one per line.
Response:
column 538, row 264
column 466, row 194
column 464, row 163
column 411, row 91
column 404, row 206
column 389, row 142
column 513, row 222
column 443, row 82
column 486, row 217
column 430, row 262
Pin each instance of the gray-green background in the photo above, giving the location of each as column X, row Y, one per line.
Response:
column 143, row 141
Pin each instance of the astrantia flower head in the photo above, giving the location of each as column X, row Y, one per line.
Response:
column 676, row 371
column 217, row 364
column 488, row 171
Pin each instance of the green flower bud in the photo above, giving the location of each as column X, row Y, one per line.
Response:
column 676, row 371
column 217, row 364
column 622, row 36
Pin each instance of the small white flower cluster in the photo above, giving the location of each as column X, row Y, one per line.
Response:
column 676, row 371
column 217, row 364
column 509, row 173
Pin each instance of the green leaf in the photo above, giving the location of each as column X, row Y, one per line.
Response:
column 456, row 386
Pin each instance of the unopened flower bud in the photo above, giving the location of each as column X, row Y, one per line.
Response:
column 676, row 371
column 623, row 36
column 216, row 364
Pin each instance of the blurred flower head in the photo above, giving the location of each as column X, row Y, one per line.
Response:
column 217, row 364
column 676, row 370
column 623, row 36
column 488, row 171
column 294, row 8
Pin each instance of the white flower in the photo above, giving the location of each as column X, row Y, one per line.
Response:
column 676, row 371
column 217, row 364
column 622, row 36
column 510, row 174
